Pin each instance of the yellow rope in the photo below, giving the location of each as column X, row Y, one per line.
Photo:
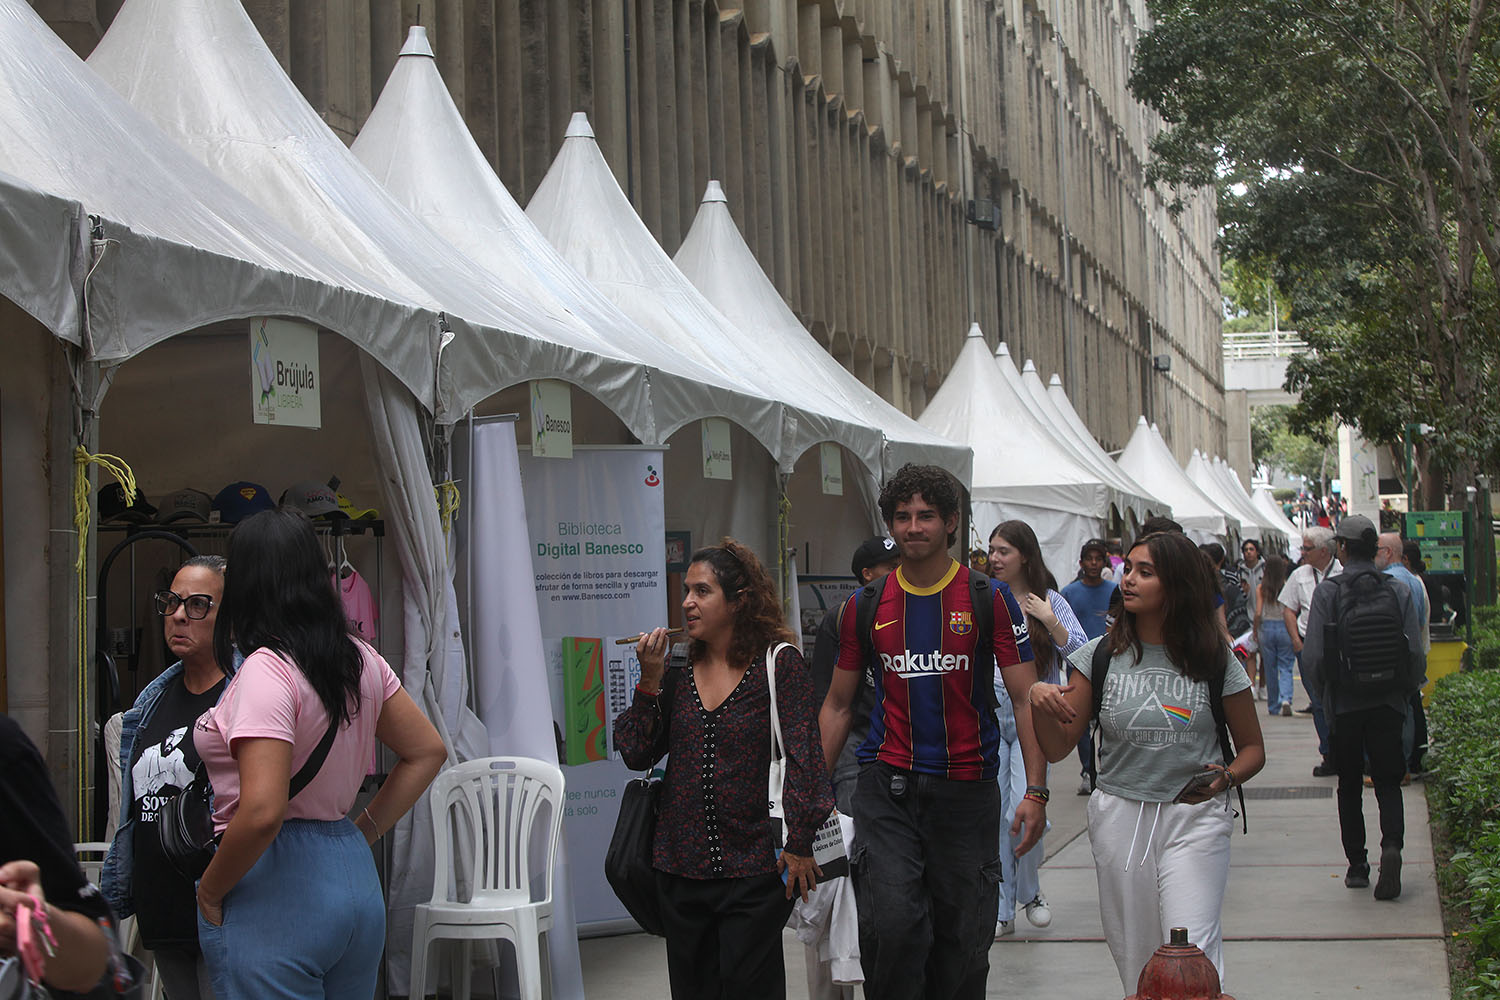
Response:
column 116, row 467
column 448, row 501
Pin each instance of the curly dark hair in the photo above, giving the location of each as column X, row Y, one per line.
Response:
column 1190, row 628
column 932, row 483
column 758, row 619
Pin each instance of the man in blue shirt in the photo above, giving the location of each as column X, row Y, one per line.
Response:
column 1388, row 559
column 1089, row 597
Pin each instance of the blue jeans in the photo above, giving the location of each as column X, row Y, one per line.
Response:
column 1277, row 661
column 307, row 922
column 1020, row 878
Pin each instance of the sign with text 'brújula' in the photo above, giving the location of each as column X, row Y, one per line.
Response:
column 285, row 382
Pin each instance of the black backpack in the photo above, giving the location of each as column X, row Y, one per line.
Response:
column 1236, row 610
column 867, row 600
column 1099, row 663
column 1366, row 653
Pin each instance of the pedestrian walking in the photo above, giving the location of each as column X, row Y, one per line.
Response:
column 927, row 806
column 725, row 882
column 1015, row 559
column 1160, row 821
column 1276, row 655
column 1363, row 651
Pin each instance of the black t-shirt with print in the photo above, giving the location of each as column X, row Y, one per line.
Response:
column 162, row 763
column 33, row 828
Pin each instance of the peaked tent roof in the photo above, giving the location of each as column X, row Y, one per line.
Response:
column 457, row 193
column 1148, row 460
column 201, row 71
column 1232, row 486
column 715, row 257
column 1267, row 504
column 1016, row 459
column 74, row 147
column 1129, row 496
column 580, row 208
column 1203, row 475
column 1081, row 430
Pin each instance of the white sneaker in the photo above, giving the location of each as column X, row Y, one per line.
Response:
column 1037, row 911
column 1085, row 786
column 1004, row 928
column 1255, row 693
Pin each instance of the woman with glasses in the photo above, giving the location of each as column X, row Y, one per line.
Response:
column 157, row 760
column 291, row 906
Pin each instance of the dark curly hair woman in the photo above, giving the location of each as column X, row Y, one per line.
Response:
column 719, row 858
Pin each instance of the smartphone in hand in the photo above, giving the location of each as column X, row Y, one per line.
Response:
column 1197, row 784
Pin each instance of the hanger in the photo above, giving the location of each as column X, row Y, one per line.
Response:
column 346, row 568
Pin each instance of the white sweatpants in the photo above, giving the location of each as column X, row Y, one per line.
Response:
column 1159, row 866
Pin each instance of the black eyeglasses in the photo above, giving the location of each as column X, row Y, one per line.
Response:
column 197, row 605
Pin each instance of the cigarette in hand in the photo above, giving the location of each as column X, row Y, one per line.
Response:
column 637, row 638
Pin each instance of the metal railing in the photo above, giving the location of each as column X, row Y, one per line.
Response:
column 1258, row 345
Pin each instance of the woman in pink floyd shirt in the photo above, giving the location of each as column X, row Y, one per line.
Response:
column 291, row 905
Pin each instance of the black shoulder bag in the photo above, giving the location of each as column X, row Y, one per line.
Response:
column 185, row 825
column 627, row 863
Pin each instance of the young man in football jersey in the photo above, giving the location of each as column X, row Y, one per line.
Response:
column 927, row 807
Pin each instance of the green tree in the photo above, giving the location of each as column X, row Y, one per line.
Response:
column 1351, row 145
column 1275, row 443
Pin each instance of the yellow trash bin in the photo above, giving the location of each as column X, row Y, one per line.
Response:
column 1444, row 658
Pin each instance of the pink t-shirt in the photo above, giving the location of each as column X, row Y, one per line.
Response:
column 269, row 697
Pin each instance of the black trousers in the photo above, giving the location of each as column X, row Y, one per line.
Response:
column 1376, row 733
column 724, row 936
column 927, row 884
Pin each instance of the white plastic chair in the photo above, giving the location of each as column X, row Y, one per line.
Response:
column 493, row 807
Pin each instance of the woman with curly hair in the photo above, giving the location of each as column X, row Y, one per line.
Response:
column 1159, row 820
column 725, row 882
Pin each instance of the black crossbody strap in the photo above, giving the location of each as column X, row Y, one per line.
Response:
column 309, row 770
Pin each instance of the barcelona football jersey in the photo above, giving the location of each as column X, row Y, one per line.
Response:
column 933, row 709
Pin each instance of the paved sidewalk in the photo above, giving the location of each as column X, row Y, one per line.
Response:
column 1291, row 928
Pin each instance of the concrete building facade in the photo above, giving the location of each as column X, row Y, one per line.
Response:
column 898, row 167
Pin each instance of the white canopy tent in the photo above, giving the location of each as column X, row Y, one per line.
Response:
column 457, row 193
column 179, row 249
column 1266, row 503
column 1154, row 505
column 1128, row 496
column 580, row 208
column 1148, row 460
column 1021, row 471
column 201, row 71
column 1267, row 525
column 716, row 259
column 1204, row 477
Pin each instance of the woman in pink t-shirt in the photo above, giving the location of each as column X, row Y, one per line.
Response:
column 291, row 905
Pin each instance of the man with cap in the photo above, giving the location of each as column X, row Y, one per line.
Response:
column 1089, row 596
column 1364, row 724
column 874, row 558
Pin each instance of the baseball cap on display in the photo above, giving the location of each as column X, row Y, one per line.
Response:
column 185, row 505
column 113, row 506
column 1094, row 545
column 1354, row 527
column 313, row 499
column 238, row 501
column 872, row 552
column 354, row 513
